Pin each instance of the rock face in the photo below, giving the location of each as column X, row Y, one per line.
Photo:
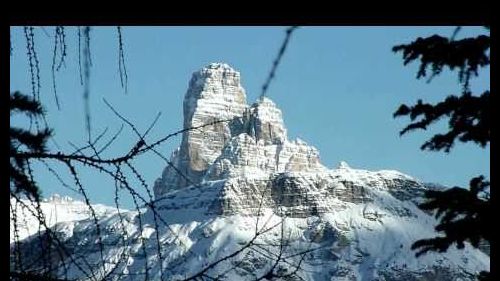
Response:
column 248, row 150
column 240, row 139
column 214, row 94
column 241, row 172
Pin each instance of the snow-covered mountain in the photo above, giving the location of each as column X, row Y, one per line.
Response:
column 231, row 181
column 57, row 210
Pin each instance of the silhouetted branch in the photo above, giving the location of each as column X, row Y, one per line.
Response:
column 155, row 220
column 121, row 61
column 58, row 177
column 87, row 63
column 33, row 62
column 78, row 183
column 59, row 44
column 80, row 54
column 438, row 52
column 463, row 216
column 469, row 120
column 277, row 60
column 115, row 136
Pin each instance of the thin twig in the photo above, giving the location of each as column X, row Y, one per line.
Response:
column 121, row 61
column 277, row 60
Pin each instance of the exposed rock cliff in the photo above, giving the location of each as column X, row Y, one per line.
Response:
column 249, row 140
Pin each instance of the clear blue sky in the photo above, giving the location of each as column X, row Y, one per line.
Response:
column 336, row 86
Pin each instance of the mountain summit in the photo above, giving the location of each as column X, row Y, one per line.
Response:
column 241, row 173
column 244, row 139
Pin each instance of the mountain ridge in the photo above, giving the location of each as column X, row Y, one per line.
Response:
column 230, row 179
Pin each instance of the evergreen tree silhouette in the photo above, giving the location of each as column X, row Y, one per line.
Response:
column 464, row 214
column 22, row 140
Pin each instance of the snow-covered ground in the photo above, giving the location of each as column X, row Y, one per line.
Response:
column 357, row 241
column 56, row 209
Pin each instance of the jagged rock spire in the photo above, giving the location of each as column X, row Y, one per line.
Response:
column 251, row 138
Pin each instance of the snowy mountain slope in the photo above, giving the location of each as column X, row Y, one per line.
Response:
column 243, row 175
column 356, row 242
column 56, row 209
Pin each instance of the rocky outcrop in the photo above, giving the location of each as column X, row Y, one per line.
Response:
column 214, row 94
column 240, row 140
column 249, row 152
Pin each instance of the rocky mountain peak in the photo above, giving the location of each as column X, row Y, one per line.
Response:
column 227, row 178
column 269, row 121
column 256, row 131
column 214, row 94
column 213, row 76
